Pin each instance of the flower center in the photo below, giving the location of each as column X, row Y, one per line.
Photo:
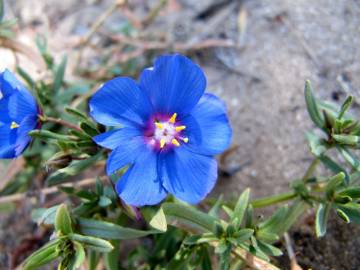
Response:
column 168, row 133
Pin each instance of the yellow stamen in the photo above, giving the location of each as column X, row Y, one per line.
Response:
column 14, row 125
column 185, row 140
column 180, row 128
column 162, row 143
column 159, row 125
column 175, row 142
column 173, row 118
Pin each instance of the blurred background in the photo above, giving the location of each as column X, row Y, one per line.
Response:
column 256, row 55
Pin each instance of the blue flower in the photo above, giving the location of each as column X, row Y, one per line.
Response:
column 170, row 131
column 18, row 115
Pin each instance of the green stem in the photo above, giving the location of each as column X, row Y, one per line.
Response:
column 61, row 122
column 310, row 171
column 263, row 202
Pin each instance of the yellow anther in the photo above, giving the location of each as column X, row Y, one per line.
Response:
column 162, row 143
column 175, row 142
column 180, row 128
column 159, row 125
column 173, row 118
column 185, row 140
column 14, row 125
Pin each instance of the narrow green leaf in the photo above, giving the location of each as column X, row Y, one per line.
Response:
column 243, row 235
column 104, row 201
column 109, row 230
column 91, row 242
column 351, row 140
column 63, row 220
column 88, row 129
column 295, row 211
column 25, row 76
column 318, row 145
column 42, row 256
column 333, row 166
column 272, row 223
column 189, row 215
column 267, row 236
column 345, row 106
column 240, row 207
column 111, row 259
column 349, row 157
column 214, row 211
column 322, row 215
column 312, row 106
column 79, row 256
column 353, row 192
column 342, row 215
column 59, row 74
column 352, row 211
column 269, row 249
column 199, row 239
column 45, row 134
column 78, row 114
column 73, row 169
column 333, row 183
column 158, row 221
column 44, row 215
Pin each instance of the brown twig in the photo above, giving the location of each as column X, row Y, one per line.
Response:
column 291, row 253
column 154, row 13
column 60, row 122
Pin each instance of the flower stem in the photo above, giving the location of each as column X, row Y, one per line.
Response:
column 60, row 122
column 263, row 202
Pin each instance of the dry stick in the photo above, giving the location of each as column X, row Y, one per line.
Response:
column 60, row 122
column 154, row 13
column 291, row 253
column 47, row 191
column 97, row 24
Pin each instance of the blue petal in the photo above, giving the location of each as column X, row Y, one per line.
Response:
column 7, row 142
column 125, row 154
column 120, row 102
column 23, row 139
column 189, row 176
column 15, row 97
column 174, row 84
column 114, row 138
column 208, row 127
column 140, row 185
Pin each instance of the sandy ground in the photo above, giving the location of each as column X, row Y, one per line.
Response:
column 284, row 43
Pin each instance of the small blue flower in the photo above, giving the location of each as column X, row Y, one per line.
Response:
column 18, row 115
column 170, row 131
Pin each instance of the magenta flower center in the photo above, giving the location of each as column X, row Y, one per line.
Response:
column 164, row 132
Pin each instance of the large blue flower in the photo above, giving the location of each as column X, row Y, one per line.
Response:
column 170, row 131
column 18, row 115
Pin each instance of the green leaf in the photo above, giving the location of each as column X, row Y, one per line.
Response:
column 267, row 236
column 243, row 235
column 349, row 157
column 312, row 106
column 342, row 215
column 79, row 256
column 351, row 140
column 345, row 106
column 269, row 249
column 273, row 223
column 109, row 230
column 333, row 166
column 104, row 201
column 333, row 183
column 353, row 192
column 322, row 215
column 42, row 256
column 189, row 215
column 73, row 169
column 89, row 129
column 25, row 76
column 352, row 211
column 91, row 242
column 44, row 215
column 214, row 211
column 59, row 74
column 111, row 259
column 295, row 211
column 45, row 134
column 78, row 114
column 199, row 239
column 318, row 145
column 158, row 221
column 63, row 220
column 240, row 207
